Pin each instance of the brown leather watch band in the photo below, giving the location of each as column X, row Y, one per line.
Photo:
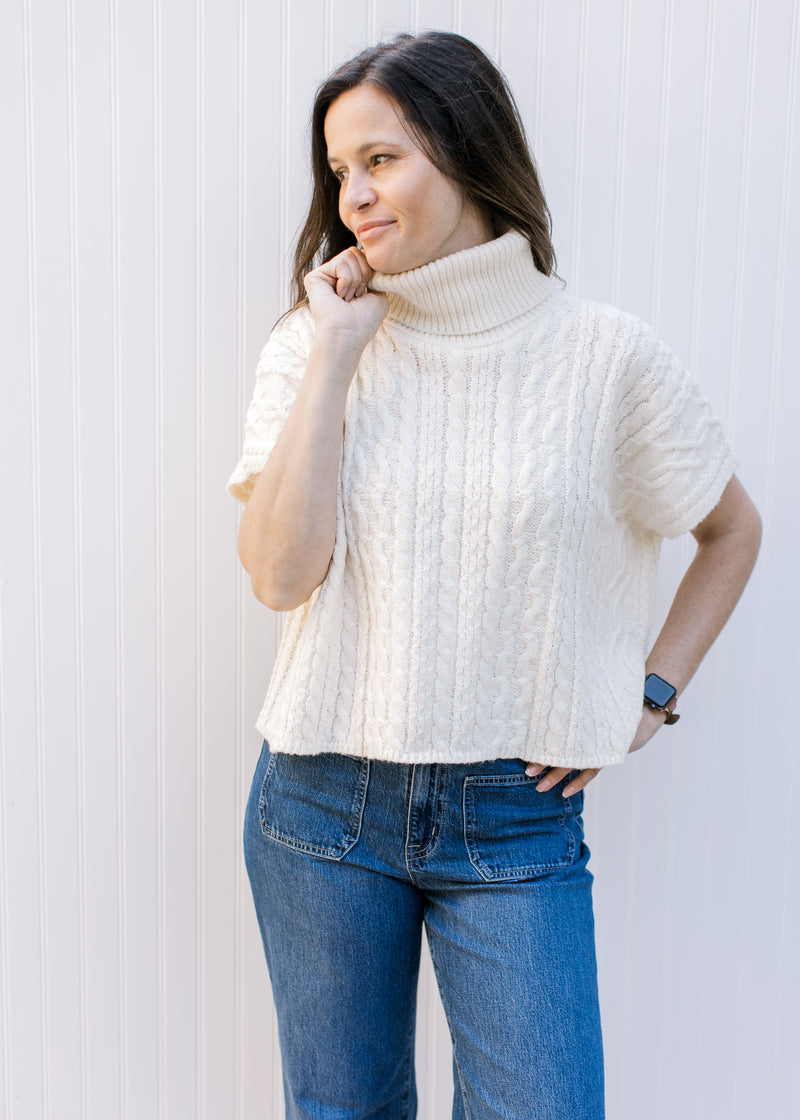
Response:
column 672, row 715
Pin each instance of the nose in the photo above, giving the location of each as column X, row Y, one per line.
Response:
column 358, row 192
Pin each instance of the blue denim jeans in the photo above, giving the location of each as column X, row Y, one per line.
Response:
column 349, row 859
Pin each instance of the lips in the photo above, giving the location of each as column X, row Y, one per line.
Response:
column 368, row 230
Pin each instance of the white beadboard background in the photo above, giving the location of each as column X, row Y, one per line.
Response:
column 153, row 168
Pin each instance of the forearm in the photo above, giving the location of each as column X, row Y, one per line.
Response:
column 707, row 594
column 288, row 528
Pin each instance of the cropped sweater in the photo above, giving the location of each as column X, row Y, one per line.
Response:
column 512, row 457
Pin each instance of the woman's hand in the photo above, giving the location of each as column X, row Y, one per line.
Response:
column 340, row 302
column 648, row 725
column 556, row 773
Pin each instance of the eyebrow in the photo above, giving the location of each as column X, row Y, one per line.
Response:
column 366, row 147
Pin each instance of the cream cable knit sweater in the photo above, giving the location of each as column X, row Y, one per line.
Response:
column 512, row 457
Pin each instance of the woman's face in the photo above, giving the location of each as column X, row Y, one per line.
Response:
column 401, row 208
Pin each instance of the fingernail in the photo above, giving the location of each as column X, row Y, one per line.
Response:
column 533, row 770
column 543, row 786
column 568, row 792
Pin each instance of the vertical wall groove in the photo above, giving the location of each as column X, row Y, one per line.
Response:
column 499, row 27
column 538, row 108
column 456, row 18
column 702, row 199
column 158, row 465
column 33, row 369
column 622, row 152
column 201, row 1033
column 784, row 231
column 743, row 205
column 580, row 139
column 119, row 571
column 327, row 34
column 5, row 962
column 77, row 478
column 285, row 107
column 663, row 149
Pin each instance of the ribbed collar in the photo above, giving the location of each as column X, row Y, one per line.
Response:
column 468, row 292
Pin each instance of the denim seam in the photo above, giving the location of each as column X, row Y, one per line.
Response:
column 336, row 852
column 487, row 872
column 410, row 818
column 437, row 821
column 360, row 796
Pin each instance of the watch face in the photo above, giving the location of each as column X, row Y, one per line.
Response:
column 658, row 692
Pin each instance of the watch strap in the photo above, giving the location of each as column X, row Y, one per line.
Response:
column 672, row 715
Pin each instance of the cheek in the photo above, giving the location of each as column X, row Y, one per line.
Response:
column 444, row 203
column 430, row 205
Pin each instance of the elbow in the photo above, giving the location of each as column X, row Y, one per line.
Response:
column 280, row 582
column 750, row 541
column 740, row 540
column 276, row 596
column 266, row 588
column 751, row 528
column 272, row 587
column 734, row 523
column 262, row 582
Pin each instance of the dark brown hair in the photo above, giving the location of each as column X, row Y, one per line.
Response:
column 461, row 113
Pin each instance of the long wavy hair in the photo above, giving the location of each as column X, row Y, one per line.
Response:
column 460, row 111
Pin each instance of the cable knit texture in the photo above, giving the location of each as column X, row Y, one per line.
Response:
column 512, row 458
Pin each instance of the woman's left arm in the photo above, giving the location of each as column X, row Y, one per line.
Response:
column 727, row 546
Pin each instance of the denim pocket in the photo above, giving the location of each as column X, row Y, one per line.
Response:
column 513, row 832
column 314, row 803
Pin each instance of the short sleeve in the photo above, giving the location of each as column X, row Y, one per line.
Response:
column 672, row 457
column 279, row 372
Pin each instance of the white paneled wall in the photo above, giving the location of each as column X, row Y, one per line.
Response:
column 154, row 174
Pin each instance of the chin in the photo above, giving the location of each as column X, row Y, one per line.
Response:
column 380, row 263
column 390, row 263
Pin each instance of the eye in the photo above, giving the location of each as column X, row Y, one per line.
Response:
column 340, row 173
column 380, row 157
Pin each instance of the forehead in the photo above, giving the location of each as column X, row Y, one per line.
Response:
column 362, row 116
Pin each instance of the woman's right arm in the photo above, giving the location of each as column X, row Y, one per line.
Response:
column 288, row 528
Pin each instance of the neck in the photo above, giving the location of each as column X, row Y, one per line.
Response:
column 469, row 292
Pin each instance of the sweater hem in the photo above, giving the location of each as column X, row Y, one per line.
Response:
column 431, row 757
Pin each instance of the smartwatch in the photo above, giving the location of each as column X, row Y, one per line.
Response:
column 661, row 696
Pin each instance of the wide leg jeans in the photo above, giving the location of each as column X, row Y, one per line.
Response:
column 349, row 859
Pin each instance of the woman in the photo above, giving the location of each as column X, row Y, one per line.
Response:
column 457, row 479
